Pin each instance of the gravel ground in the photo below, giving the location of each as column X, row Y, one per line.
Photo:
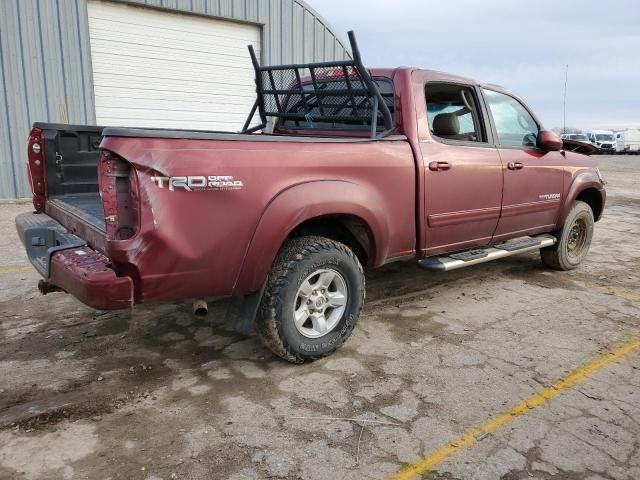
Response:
column 154, row 393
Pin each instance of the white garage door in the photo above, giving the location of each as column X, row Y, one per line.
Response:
column 161, row 69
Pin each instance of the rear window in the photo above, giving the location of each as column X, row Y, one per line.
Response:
column 341, row 105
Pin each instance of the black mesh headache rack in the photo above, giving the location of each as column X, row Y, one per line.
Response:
column 339, row 95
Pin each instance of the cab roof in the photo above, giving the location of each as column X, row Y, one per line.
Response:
column 435, row 76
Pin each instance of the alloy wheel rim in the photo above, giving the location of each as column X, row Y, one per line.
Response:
column 320, row 303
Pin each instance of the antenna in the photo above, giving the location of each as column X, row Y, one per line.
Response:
column 564, row 101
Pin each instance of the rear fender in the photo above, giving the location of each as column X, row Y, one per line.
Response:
column 299, row 203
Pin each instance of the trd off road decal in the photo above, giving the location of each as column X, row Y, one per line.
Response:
column 198, row 182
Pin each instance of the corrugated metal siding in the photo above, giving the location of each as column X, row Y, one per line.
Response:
column 45, row 51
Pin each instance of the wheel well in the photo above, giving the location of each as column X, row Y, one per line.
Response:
column 592, row 197
column 347, row 229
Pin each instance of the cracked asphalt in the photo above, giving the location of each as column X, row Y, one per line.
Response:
column 155, row 393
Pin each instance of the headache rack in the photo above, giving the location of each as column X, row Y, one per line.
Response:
column 339, row 95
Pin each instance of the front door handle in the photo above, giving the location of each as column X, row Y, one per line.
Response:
column 515, row 166
column 436, row 166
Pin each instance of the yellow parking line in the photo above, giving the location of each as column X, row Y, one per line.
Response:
column 16, row 269
column 634, row 297
column 472, row 434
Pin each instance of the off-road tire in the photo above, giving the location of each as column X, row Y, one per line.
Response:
column 299, row 258
column 561, row 256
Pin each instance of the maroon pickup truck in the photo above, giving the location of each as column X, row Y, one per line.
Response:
column 359, row 168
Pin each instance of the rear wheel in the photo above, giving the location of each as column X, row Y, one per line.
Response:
column 574, row 239
column 312, row 300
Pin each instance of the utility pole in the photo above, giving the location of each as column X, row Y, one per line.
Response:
column 564, row 102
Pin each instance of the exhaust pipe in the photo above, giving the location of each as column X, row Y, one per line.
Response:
column 200, row 307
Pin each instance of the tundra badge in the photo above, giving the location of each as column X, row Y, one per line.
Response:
column 549, row 196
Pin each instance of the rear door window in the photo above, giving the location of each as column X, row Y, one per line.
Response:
column 452, row 112
column 514, row 124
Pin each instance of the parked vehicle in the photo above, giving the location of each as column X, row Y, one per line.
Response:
column 628, row 141
column 578, row 137
column 364, row 167
column 604, row 140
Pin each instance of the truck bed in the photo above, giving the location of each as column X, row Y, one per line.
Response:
column 71, row 157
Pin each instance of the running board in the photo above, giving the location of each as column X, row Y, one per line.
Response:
column 482, row 255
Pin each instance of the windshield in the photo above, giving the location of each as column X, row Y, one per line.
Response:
column 578, row 136
column 604, row 136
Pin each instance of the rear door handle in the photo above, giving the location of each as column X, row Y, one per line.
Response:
column 515, row 166
column 435, row 166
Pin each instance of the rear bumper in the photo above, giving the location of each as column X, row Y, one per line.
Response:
column 67, row 263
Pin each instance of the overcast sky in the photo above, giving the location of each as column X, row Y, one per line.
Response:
column 522, row 45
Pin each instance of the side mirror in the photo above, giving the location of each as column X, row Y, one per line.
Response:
column 549, row 141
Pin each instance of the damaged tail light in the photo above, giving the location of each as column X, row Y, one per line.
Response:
column 118, row 189
column 36, row 170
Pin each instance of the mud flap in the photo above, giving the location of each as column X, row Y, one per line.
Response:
column 242, row 311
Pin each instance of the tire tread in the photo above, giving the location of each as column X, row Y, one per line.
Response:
column 554, row 256
column 290, row 256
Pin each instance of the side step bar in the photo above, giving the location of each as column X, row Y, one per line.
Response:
column 482, row 255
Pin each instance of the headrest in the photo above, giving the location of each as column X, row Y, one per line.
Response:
column 446, row 124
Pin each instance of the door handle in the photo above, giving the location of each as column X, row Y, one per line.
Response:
column 515, row 166
column 436, row 166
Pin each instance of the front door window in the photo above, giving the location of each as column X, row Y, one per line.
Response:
column 514, row 125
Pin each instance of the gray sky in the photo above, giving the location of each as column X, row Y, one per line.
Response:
column 523, row 46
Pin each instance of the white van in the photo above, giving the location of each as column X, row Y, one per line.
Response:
column 628, row 141
column 604, row 140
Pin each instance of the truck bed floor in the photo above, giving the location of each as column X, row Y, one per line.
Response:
column 87, row 206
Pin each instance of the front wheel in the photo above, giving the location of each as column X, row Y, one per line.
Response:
column 574, row 239
column 312, row 300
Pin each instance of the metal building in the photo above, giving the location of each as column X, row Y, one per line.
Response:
column 153, row 63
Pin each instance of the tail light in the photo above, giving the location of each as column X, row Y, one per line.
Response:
column 119, row 192
column 36, row 168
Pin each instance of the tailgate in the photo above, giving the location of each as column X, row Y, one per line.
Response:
column 71, row 158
